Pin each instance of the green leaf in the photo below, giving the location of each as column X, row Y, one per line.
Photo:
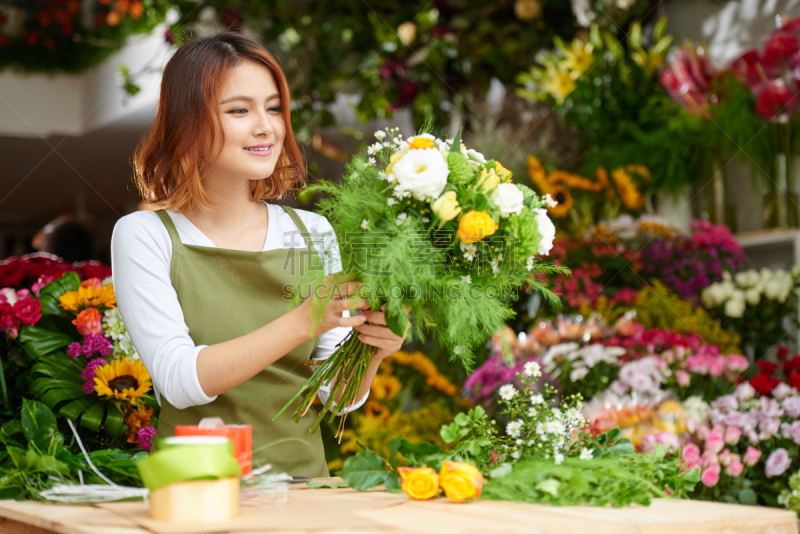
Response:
column 35, row 416
column 473, row 448
column 423, row 449
column 92, row 418
column 448, row 433
column 11, row 428
column 456, row 146
column 392, row 482
column 333, row 485
column 38, row 342
column 363, row 471
column 748, row 496
column 397, row 322
column 550, row 486
column 115, row 422
column 461, row 419
column 501, row 471
column 69, row 281
column 393, row 446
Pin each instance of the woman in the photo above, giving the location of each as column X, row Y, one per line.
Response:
column 200, row 283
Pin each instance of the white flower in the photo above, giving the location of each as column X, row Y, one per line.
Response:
column 509, row 199
column 402, row 218
column 379, row 135
column 423, row 173
column 578, row 374
column 516, row 454
column 532, row 411
column 536, row 399
column 747, row 278
column 547, row 230
column 549, row 202
column 374, row 148
column 529, row 263
column 372, row 161
column 365, row 225
column 533, row 369
column 736, row 305
column 514, row 428
column 458, row 349
column 469, row 250
column 586, row 454
column 466, row 279
column 474, row 155
column 753, row 296
column 391, row 201
column 558, row 458
column 507, row 392
column 426, row 220
column 744, row 391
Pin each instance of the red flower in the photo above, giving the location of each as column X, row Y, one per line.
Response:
column 776, row 100
column 8, row 321
column 794, row 380
column 28, row 310
column 778, row 48
column 748, row 69
column 92, row 269
column 783, row 352
column 767, row 368
column 12, row 272
column 764, row 384
column 792, row 364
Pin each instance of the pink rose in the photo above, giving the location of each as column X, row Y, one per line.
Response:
column 683, row 378
column 8, row 321
column 43, row 281
column 710, row 476
column 726, row 403
column 732, row 435
column 751, row 456
column 736, row 363
column 791, row 406
column 769, row 427
column 795, row 431
column 691, row 427
column 709, row 458
column 777, row 463
column 725, row 457
column 691, row 453
column 715, row 440
column 702, row 432
column 734, row 470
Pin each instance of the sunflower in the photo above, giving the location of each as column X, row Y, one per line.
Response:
column 630, row 195
column 89, row 297
column 122, row 379
column 564, row 198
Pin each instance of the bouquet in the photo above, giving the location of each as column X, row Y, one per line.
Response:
column 435, row 230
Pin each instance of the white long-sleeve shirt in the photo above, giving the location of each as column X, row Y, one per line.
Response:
column 141, row 253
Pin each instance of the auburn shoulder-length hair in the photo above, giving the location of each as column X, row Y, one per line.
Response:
column 173, row 156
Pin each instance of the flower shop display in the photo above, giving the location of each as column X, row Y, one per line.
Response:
column 434, row 229
column 72, row 35
column 756, row 304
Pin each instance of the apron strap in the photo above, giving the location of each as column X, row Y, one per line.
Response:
column 312, row 251
column 173, row 232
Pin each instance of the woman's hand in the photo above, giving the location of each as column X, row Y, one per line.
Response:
column 332, row 316
column 375, row 332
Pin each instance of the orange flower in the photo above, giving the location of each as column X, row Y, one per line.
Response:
column 92, row 282
column 538, row 175
column 564, row 198
column 88, row 322
column 460, row 481
column 419, row 483
column 137, row 417
column 136, row 10
column 475, row 225
column 420, row 143
column 112, row 18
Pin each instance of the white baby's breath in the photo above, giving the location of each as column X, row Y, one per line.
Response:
column 507, row 392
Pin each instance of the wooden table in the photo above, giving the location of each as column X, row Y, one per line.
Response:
column 326, row 511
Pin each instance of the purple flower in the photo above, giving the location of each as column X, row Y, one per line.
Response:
column 88, row 387
column 74, row 350
column 88, row 371
column 769, row 427
column 794, row 432
column 145, row 434
column 777, row 463
column 726, row 403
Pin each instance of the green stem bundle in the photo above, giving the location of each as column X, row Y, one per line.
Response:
column 345, row 369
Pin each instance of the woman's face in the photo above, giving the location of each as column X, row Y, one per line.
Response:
column 252, row 124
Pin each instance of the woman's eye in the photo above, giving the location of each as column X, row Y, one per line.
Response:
column 238, row 111
column 276, row 109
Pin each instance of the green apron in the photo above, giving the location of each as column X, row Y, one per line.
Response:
column 226, row 294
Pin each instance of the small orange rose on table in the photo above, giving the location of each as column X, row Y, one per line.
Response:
column 419, row 483
column 460, row 481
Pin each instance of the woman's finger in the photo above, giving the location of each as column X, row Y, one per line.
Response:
column 376, row 331
column 379, row 342
column 377, row 318
column 354, row 321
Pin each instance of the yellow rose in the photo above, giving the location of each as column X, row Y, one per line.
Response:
column 475, row 225
column 460, row 481
column 419, row 483
column 488, row 179
column 502, row 172
column 394, row 158
column 446, row 206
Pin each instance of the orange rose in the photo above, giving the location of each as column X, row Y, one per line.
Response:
column 92, row 282
column 88, row 322
column 460, row 481
column 420, row 483
column 475, row 225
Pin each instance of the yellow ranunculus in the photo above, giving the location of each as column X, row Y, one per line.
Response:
column 475, row 225
column 446, row 206
column 502, row 172
column 394, row 158
column 488, row 180
column 420, row 483
column 460, row 481
column 420, row 142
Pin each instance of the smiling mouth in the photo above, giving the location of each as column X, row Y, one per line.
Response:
column 259, row 149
